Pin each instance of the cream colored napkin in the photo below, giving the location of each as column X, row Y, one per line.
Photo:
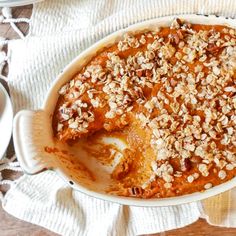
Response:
column 46, row 200
column 60, row 30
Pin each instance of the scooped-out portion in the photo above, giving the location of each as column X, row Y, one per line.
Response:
column 170, row 96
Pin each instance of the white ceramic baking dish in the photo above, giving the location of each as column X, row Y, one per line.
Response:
column 16, row 3
column 6, row 120
column 33, row 131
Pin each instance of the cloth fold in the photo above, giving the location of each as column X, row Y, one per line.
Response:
column 59, row 31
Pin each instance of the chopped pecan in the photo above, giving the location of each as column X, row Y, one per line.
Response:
column 148, row 73
column 196, row 159
column 136, row 191
column 176, row 37
column 176, row 24
column 186, row 165
column 212, row 48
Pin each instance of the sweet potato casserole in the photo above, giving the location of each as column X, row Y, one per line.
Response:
column 170, row 95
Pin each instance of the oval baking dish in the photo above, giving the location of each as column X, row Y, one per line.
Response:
column 37, row 149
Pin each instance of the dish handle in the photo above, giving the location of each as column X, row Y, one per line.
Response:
column 31, row 135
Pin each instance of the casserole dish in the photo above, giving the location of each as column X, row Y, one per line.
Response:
column 6, row 120
column 14, row 3
column 37, row 150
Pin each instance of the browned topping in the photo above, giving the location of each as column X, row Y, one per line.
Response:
column 178, row 86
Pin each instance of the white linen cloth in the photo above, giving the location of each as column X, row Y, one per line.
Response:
column 59, row 31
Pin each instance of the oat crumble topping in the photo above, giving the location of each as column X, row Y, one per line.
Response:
column 177, row 83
